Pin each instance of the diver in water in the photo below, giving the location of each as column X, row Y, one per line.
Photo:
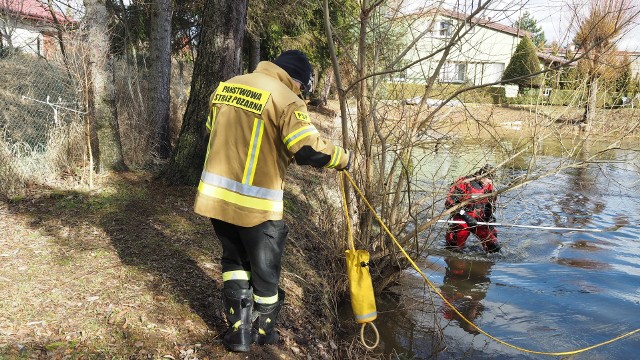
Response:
column 472, row 188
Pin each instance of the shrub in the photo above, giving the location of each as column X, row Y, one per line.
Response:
column 402, row 91
column 524, row 62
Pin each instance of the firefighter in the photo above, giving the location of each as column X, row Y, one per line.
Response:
column 258, row 125
column 480, row 207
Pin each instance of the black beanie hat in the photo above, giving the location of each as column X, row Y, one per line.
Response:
column 296, row 64
column 487, row 171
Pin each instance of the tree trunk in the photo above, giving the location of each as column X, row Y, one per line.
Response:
column 364, row 127
column 254, row 52
column 160, row 53
column 105, row 120
column 218, row 58
column 590, row 106
column 131, row 63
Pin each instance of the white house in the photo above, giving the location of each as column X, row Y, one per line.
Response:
column 479, row 57
column 30, row 26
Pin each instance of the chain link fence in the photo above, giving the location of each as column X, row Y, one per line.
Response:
column 40, row 121
column 43, row 127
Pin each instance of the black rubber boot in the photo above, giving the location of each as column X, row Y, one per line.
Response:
column 238, row 307
column 265, row 321
column 493, row 248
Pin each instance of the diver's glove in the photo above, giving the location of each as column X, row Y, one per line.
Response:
column 468, row 219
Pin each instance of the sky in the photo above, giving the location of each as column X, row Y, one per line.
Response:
column 553, row 16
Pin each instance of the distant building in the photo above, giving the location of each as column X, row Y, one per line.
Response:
column 30, row 26
column 565, row 58
column 550, row 60
column 479, row 57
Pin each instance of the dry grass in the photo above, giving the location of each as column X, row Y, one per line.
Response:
column 491, row 119
column 10, row 180
column 127, row 270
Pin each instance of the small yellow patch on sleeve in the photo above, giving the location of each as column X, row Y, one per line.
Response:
column 302, row 116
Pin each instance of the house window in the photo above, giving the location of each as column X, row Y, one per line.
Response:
column 445, row 28
column 492, row 72
column 403, row 73
column 454, row 72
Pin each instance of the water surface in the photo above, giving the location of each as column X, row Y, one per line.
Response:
column 549, row 290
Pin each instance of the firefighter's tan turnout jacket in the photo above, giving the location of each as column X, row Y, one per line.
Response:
column 258, row 125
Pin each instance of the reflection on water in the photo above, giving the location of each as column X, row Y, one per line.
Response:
column 580, row 198
column 548, row 290
column 465, row 285
column 583, row 263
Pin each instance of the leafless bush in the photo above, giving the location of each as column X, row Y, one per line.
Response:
column 66, row 150
column 136, row 132
column 136, row 129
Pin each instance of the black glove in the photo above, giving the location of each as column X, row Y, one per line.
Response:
column 468, row 219
column 346, row 168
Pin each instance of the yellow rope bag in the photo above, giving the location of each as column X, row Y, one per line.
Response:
column 363, row 301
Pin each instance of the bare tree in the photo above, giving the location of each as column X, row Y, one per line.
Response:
column 604, row 22
column 8, row 21
column 403, row 89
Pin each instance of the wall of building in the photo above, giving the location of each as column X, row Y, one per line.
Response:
column 23, row 36
column 635, row 64
column 482, row 54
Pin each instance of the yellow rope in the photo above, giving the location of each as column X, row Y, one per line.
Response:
column 346, row 211
column 413, row 264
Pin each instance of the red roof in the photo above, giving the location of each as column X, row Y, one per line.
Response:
column 33, row 10
column 476, row 20
column 553, row 59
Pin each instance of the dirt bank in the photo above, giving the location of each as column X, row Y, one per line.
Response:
column 127, row 270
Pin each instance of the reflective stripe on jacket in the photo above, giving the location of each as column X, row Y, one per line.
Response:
column 257, row 124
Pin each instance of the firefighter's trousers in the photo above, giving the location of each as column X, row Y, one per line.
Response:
column 251, row 256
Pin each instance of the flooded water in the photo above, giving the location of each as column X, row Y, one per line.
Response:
column 549, row 290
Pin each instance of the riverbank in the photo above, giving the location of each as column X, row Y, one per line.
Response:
column 127, row 270
column 490, row 119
